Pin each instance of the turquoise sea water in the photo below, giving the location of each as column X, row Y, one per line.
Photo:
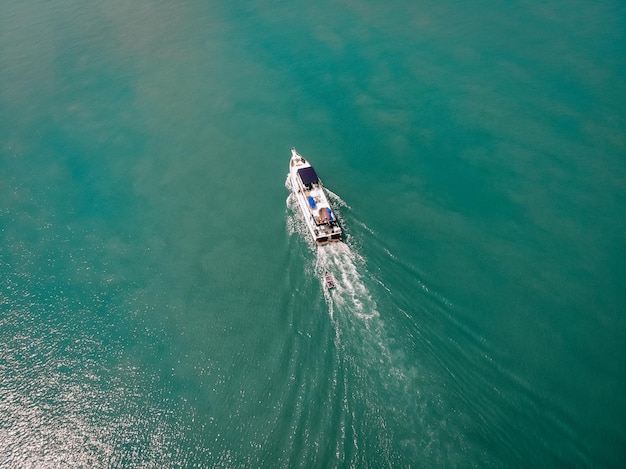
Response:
column 162, row 306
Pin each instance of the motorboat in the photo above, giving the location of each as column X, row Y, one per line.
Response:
column 313, row 201
column 329, row 280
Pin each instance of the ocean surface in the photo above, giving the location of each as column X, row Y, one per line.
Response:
column 161, row 303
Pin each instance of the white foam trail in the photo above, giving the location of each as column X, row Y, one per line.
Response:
column 359, row 328
column 350, row 292
column 377, row 374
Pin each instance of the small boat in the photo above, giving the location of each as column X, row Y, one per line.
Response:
column 313, row 201
column 330, row 281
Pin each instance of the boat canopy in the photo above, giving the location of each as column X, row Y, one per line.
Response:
column 308, row 175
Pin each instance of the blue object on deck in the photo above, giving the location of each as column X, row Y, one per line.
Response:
column 311, row 202
column 330, row 214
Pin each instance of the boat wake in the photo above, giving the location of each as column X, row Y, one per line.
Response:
column 381, row 383
column 359, row 328
column 351, row 304
column 406, row 404
column 349, row 291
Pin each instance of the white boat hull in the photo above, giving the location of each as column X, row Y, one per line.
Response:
column 312, row 200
